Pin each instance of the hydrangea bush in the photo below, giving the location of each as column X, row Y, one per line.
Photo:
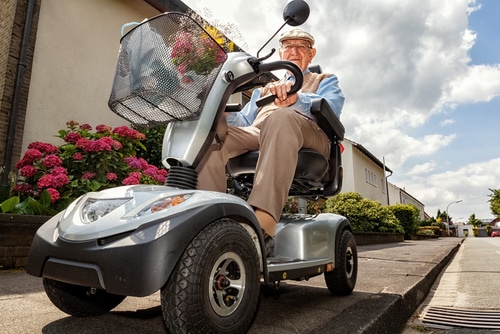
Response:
column 51, row 177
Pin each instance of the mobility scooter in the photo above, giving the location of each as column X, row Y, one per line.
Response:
column 203, row 250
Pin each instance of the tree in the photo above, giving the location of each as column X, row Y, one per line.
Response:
column 495, row 202
column 474, row 221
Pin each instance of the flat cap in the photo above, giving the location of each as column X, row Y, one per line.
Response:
column 297, row 33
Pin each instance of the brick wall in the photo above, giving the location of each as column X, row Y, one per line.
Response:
column 12, row 19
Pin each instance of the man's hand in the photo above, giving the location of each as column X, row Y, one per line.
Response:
column 281, row 89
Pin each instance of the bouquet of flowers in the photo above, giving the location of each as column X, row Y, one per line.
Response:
column 200, row 53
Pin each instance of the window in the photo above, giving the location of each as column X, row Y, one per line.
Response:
column 371, row 178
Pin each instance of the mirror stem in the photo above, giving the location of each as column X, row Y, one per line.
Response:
column 269, row 40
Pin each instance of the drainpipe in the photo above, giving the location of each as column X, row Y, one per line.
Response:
column 21, row 67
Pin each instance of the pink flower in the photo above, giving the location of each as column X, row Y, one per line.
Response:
column 127, row 132
column 54, row 194
column 28, row 171
column 23, row 188
column 32, row 155
column 45, row 181
column 43, row 147
column 58, row 170
column 144, row 163
column 59, row 180
column 86, row 127
column 52, row 160
column 101, row 128
column 130, row 181
column 72, row 137
column 88, row 175
column 78, row 156
column 133, row 162
column 111, row 176
column 117, row 145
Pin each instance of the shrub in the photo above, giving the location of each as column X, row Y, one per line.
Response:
column 408, row 216
column 425, row 232
column 365, row 215
column 429, row 230
column 51, row 177
column 154, row 144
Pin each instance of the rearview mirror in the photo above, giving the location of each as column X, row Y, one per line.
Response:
column 296, row 12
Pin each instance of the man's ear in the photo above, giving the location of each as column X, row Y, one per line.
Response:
column 313, row 53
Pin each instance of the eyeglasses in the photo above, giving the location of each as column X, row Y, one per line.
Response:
column 298, row 47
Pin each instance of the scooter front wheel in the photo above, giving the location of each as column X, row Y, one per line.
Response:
column 215, row 286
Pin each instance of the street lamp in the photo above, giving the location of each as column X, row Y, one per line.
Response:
column 448, row 216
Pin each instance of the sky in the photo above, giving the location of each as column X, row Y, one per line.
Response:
column 422, row 86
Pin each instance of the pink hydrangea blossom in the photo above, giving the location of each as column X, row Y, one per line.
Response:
column 28, row 171
column 45, row 181
column 101, row 128
column 45, row 148
column 72, row 137
column 51, row 160
column 54, row 195
column 111, row 176
column 88, row 175
column 86, row 127
column 78, row 156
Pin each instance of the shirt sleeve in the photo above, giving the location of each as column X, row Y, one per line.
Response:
column 247, row 115
column 329, row 90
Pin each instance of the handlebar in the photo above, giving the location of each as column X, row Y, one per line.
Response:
column 281, row 65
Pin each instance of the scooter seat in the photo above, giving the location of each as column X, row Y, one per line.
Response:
column 311, row 165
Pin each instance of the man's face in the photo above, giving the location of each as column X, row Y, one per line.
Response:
column 298, row 51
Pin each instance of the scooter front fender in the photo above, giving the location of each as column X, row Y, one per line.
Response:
column 136, row 262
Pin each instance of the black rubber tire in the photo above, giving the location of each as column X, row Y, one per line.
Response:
column 80, row 301
column 342, row 280
column 221, row 261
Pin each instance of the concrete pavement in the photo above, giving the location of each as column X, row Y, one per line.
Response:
column 393, row 279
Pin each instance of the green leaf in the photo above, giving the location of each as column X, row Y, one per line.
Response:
column 94, row 185
column 9, row 204
column 45, row 199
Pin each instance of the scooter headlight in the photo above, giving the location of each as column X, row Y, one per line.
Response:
column 94, row 209
column 164, row 204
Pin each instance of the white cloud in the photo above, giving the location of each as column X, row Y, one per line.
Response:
column 480, row 83
column 447, row 122
column 423, row 168
column 400, row 63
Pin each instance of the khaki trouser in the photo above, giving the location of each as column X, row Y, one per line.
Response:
column 278, row 134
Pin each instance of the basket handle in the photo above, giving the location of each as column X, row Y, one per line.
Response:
column 126, row 25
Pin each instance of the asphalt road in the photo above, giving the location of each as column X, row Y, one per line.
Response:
column 393, row 279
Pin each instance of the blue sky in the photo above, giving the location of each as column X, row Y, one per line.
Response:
column 422, row 81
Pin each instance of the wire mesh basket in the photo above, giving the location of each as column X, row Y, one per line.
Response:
column 166, row 67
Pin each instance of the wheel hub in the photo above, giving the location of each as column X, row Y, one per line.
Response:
column 227, row 283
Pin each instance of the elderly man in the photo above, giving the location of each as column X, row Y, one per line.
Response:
column 278, row 131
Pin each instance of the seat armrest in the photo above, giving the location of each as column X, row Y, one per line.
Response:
column 327, row 120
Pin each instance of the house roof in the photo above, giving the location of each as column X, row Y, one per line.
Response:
column 370, row 155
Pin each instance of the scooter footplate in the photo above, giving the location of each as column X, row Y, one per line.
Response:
column 293, row 269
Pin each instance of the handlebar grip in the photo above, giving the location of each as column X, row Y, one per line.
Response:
column 281, row 65
column 265, row 100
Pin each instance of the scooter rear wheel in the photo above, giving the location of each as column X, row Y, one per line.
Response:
column 215, row 286
column 342, row 279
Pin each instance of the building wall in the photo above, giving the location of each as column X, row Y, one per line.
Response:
column 362, row 174
column 400, row 196
column 74, row 62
